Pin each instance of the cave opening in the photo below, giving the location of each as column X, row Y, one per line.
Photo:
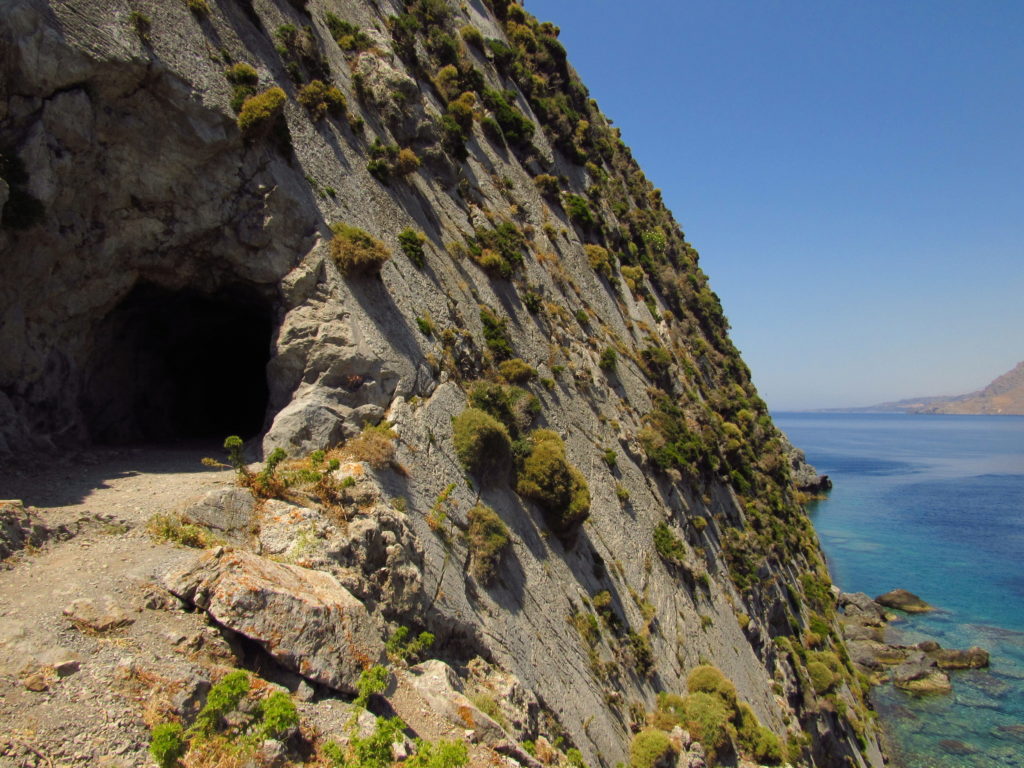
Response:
column 170, row 366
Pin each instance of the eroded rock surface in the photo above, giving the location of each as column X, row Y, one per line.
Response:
column 303, row 618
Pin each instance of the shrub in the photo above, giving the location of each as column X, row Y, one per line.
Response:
column 488, row 537
column 498, row 250
column 177, row 529
column 822, row 679
column 649, row 748
column 406, row 162
column 371, row 680
column 447, row 81
column 515, row 126
column 357, row 252
column 262, row 113
column 756, row 740
column 375, row 445
column 599, row 259
column 471, row 35
column 425, row 323
column 707, row 718
column 709, row 679
column 142, row 25
column 411, row 243
column 517, row 370
column 461, row 111
column 278, row 715
column 440, row 754
column 669, row 546
column 199, row 7
column 401, row 647
column 167, row 745
column 511, row 405
column 622, row 492
column 496, row 334
column 482, row 444
column 222, row 698
column 349, row 37
column 320, row 98
column 532, row 301
column 578, row 210
column 547, row 184
column 242, row 74
column 556, row 486
column 609, row 359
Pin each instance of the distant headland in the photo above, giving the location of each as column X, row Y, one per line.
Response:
column 1004, row 396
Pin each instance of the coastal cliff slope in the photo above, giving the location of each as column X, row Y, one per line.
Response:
column 297, row 220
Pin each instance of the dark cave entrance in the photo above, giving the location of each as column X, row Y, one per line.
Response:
column 179, row 365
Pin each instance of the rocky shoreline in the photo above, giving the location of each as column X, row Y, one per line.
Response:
column 919, row 669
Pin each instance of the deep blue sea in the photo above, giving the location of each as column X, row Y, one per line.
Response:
column 933, row 504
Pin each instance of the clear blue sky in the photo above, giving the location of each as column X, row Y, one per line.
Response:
column 852, row 174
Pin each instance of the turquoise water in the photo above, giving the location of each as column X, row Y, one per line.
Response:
column 933, row 504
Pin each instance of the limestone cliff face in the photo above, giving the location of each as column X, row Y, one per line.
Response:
column 165, row 274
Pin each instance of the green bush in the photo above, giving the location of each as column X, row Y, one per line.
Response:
column 320, row 99
column 669, row 546
column 222, row 698
column 440, row 754
column 515, row 126
column 412, row 242
column 349, row 37
column 547, row 184
column 578, row 210
column 822, row 679
column 498, row 250
column 488, row 537
column 557, row 487
column 648, row 748
column 278, row 715
column 371, row 680
column 356, row 251
column 707, row 717
column 600, row 260
column 511, row 405
column 709, row 679
column 757, row 741
column 609, row 359
column 242, row 74
column 482, row 444
column 262, row 113
column 496, row 334
column 167, row 744
column 471, row 35
column 517, row 371
column 401, row 647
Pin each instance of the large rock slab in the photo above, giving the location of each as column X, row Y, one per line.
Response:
column 303, row 618
column 903, row 600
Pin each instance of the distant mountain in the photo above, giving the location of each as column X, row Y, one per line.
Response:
column 1005, row 395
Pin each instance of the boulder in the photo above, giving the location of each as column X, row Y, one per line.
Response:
column 441, row 688
column 231, row 511
column 918, row 674
column 303, row 618
column 859, row 606
column 973, row 658
column 903, row 600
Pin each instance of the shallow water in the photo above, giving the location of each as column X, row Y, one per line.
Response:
column 933, row 504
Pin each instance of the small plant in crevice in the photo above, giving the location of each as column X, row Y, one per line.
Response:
column 404, row 647
column 322, row 99
column 496, row 334
column 262, row 115
column 411, row 243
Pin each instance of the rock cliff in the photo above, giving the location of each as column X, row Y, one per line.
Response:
column 294, row 219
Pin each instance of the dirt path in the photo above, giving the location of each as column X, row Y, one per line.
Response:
column 104, row 498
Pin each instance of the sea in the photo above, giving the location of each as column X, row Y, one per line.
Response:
column 933, row 504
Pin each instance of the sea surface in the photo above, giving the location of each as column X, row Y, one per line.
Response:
column 933, row 504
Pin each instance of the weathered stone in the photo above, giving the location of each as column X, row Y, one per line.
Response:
column 903, row 600
column 861, row 607
column 948, row 658
column 441, row 688
column 303, row 618
column 86, row 614
column 231, row 511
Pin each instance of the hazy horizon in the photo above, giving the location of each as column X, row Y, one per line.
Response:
column 850, row 174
